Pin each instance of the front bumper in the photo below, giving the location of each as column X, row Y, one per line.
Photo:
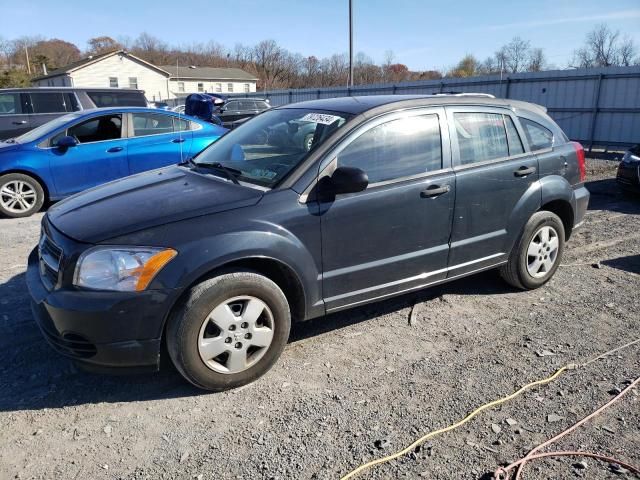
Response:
column 102, row 329
column 628, row 176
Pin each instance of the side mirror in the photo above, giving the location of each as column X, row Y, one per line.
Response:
column 67, row 142
column 345, row 180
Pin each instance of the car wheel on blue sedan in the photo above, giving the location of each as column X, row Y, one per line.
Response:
column 20, row 195
column 229, row 330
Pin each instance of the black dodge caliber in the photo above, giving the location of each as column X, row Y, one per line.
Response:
column 217, row 256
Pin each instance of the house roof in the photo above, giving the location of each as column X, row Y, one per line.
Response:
column 96, row 58
column 207, row 73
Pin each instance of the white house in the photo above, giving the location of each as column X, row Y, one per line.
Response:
column 120, row 69
column 191, row 79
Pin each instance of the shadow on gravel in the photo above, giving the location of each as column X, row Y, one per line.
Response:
column 606, row 195
column 485, row 283
column 630, row 263
column 33, row 376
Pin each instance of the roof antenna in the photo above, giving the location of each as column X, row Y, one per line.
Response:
column 180, row 140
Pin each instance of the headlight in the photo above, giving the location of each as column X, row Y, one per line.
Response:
column 125, row 269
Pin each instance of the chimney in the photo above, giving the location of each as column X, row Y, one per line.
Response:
column 44, row 69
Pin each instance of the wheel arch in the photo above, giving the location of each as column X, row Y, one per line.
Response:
column 38, row 178
column 562, row 208
column 276, row 270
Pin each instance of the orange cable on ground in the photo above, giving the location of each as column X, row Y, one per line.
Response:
column 531, row 455
column 504, row 473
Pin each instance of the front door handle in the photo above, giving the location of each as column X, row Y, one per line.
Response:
column 115, row 149
column 20, row 122
column 177, row 140
column 524, row 171
column 434, row 191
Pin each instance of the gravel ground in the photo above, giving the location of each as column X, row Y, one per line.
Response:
column 356, row 385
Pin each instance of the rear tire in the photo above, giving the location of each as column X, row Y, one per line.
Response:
column 229, row 331
column 20, row 195
column 537, row 253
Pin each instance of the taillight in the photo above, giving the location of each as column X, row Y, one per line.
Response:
column 582, row 167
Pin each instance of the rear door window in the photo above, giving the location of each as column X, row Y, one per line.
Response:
column 182, row 125
column 232, row 106
column 117, row 99
column 396, row 149
column 538, row 136
column 98, row 129
column 481, row 136
column 49, row 102
column 151, row 124
column 10, row 104
column 262, row 105
column 246, row 105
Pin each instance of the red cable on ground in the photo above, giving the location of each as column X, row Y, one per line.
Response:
column 504, row 473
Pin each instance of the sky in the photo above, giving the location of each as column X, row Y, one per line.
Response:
column 423, row 34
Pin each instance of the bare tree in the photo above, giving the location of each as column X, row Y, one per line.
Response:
column 603, row 47
column 627, row 52
column 536, row 61
column 516, row 53
column 103, row 44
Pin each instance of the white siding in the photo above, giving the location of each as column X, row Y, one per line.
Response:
column 97, row 74
column 209, row 86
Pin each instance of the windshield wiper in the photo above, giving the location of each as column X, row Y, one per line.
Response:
column 231, row 173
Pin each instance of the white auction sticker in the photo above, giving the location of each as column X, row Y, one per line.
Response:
column 321, row 118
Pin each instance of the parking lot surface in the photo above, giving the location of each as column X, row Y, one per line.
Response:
column 355, row 385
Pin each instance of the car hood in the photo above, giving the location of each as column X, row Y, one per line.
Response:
column 146, row 200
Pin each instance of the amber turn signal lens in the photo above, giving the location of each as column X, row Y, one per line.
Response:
column 153, row 266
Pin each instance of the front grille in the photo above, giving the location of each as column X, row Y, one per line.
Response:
column 50, row 256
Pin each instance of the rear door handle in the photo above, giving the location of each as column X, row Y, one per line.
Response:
column 524, row 171
column 434, row 191
column 177, row 140
column 21, row 122
column 115, row 149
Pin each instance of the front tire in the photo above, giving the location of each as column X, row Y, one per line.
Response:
column 537, row 254
column 229, row 331
column 20, row 195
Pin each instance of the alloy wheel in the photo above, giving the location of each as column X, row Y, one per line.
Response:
column 542, row 252
column 17, row 196
column 236, row 334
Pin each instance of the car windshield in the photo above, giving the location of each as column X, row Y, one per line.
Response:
column 266, row 148
column 46, row 128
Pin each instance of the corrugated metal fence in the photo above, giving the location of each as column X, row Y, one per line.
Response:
column 599, row 107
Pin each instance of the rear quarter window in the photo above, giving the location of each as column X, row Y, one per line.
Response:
column 538, row 136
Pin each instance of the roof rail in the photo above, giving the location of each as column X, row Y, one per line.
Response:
column 464, row 94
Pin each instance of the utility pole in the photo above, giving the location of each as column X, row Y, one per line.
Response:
column 350, row 43
column 26, row 53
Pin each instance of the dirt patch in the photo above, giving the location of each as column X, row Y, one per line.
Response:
column 356, row 385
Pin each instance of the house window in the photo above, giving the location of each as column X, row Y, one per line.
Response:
column 181, row 86
column 201, row 87
column 229, row 87
column 218, row 87
column 246, row 88
column 113, row 82
column 133, row 82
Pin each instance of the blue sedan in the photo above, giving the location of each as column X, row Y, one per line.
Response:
column 81, row 150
